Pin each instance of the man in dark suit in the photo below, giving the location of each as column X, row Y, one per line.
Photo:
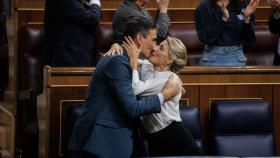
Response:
column 104, row 127
column 274, row 26
column 69, row 28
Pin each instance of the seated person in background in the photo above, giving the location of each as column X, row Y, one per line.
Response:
column 135, row 8
column 223, row 25
column 274, row 26
column 104, row 129
column 166, row 136
column 69, row 27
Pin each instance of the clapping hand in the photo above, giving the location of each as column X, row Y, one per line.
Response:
column 223, row 4
column 132, row 51
column 163, row 5
column 251, row 8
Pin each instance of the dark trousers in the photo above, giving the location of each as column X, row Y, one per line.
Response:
column 174, row 140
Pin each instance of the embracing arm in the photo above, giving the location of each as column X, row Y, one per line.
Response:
column 118, row 75
column 147, row 87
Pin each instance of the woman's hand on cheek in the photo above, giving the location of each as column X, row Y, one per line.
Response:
column 132, row 51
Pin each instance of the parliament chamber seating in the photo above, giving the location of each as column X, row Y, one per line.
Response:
column 190, row 119
column 29, row 67
column 187, row 33
column 259, row 52
column 241, row 128
column 29, row 86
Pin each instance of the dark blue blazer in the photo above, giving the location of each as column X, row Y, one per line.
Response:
column 104, row 127
column 69, row 32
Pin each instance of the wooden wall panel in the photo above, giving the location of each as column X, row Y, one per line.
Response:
column 191, row 95
column 30, row 16
column 59, row 96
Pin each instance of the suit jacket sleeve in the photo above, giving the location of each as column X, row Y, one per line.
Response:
column 162, row 22
column 119, row 77
column 74, row 11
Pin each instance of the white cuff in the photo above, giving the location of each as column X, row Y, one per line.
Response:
column 91, row 2
column 161, row 99
column 135, row 76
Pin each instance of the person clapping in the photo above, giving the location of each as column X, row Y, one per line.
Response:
column 223, row 26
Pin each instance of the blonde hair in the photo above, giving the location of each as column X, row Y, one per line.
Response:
column 178, row 53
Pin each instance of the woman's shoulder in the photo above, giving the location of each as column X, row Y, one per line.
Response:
column 174, row 74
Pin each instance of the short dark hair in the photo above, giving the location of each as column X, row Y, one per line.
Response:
column 138, row 25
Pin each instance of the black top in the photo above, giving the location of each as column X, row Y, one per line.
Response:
column 212, row 30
